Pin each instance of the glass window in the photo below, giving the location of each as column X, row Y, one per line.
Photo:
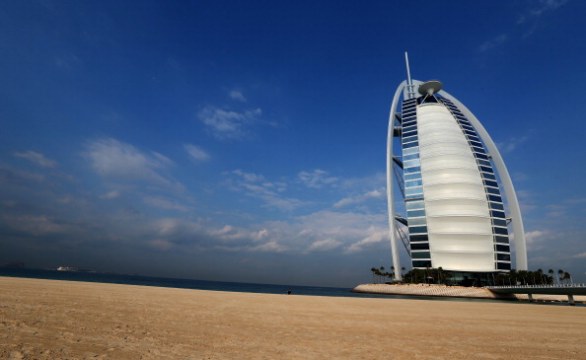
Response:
column 414, row 238
column 414, row 205
column 503, row 248
column 488, row 176
column 493, row 191
column 491, row 183
column 501, row 239
column 469, row 132
column 409, row 133
column 497, row 214
column 409, row 139
column 415, row 213
column 496, row 206
column 475, row 143
column 501, row 257
column 500, row 231
column 419, row 229
column 422, row 264
column 413, row 183
column 481, row 156
column 417, row 221
column 414, row 176
column 478, row 150
column 411, row 163
column 413, row 191
column 410, row 151
column 420, row 246
column 420, row 255
column 475, row 138
column 410, row 157
column 412, row 170
column 407, row 123
column 503, row 266
column 411, row 144
column 499, row 222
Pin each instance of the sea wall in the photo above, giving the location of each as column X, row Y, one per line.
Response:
column 454, row 291
column 428, row 290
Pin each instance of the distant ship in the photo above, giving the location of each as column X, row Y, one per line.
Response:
column 68, row 268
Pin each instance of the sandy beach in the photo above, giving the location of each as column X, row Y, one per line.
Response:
column 49, row 319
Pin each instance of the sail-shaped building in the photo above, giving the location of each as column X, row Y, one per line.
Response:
column 453, row 182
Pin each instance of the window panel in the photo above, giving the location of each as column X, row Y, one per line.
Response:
column 414, row 205
column 503, row 248
column 497, row 214
column 500, row 231
column 418, row 221
column 420, row 246
column 415, row 213
column 418, row 229
column 413, row 183
column 412, row 170
column 501, row 239
column 495, row 198
column 499, row 222
column 496, row 206
column 423, row 264
column 420, row 255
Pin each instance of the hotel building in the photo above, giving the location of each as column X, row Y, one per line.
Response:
column 452, row 180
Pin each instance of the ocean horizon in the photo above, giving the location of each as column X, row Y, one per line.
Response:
column 195, row 284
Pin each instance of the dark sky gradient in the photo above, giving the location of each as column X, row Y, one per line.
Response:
column 245, row 140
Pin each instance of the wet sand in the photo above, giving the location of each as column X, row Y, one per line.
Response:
column 49, row 319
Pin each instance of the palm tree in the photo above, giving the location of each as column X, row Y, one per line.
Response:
column 373, row 272
column 560, row 273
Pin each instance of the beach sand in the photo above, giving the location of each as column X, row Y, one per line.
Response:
column 49, row 319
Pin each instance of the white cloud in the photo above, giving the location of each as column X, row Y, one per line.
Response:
column 511, row 144
column 165, row 203
column 258, row 186
column 237, row 95
column 316, row 179
column 36, row 158
column 494, row 42
column 271, row 246
column 543, row 7
column 111, row 195
column 227, row 124
column 196, row 152
column 161, row 244
column 535, row 239
column 37, row 225
column 374, row 236
column 352, row 200
column 114, row 159
column 580, row 256
column 324, row 245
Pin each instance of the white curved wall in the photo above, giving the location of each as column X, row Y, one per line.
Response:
column 458, row 218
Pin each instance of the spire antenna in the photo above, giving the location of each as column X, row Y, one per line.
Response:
column 410, row 92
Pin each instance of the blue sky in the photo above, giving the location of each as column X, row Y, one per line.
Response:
column 244, row 141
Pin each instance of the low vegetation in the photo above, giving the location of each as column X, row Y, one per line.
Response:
column 445, row 277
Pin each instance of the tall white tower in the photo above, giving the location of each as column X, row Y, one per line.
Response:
column 454, row 210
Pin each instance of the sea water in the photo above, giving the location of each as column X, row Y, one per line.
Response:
column 211, row 285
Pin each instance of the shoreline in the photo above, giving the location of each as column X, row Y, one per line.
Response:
column 434, row 290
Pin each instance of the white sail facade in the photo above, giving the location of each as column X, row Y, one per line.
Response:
column 454, row 209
